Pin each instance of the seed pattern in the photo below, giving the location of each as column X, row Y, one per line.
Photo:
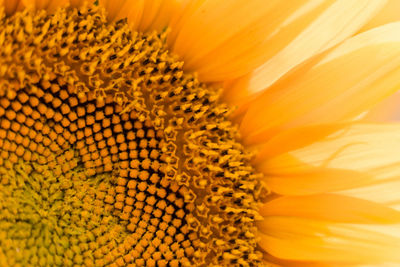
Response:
column 111, row 155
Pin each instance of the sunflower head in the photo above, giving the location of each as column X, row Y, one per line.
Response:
column 198, row 133
column 112, row 154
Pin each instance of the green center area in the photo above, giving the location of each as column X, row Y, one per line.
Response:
column 112, row 155
column 50, row 217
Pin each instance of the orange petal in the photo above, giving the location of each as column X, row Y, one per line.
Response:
column 150, row 11
column 10, row 6
column 339, row 21
column 113, row 7
column 132, row 11
column 331, row 207
column 53, row 5
column 350, row 79
column 354, row 156
column 75, row 3
column 389, row 13
column 387, row 110
column 386, row 192
column 318, row 240
column 142, row 15
column 166, row 11
column 222, row 40
column 49, row 5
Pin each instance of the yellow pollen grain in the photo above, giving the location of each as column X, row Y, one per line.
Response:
column 111, row 155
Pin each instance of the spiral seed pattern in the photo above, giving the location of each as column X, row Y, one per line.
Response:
column 112, row 155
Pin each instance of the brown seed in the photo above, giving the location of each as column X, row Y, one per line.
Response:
column 96, row 127
column 107, row 133
column 99, row 115
column 53, row 135
column 13, row 146
column 20, row 118
column 25, row 142
column 90, row 108
column 39, row 138
column 58, row 117
column 15, row 105
column 42, row 108
column 98, row 137
column 73, row 127
column 45, row 129
column 54, row 87
column 72, row 116
column 48, row 97
column 35, row 115
column 23, row 97
column 81, row 111
column 73, row 101
column 81, row 123
column 92, row 148
column 109, row 110
column 13, row 158
column 102, row 144
column 20, row 151
column 27, row 155
column 15, row 126
column 54, row 147
column 65, row 122
column 63, row 94
column 29, row 122
column 65, row 109
column 106, row 122
column 89, row 140
column 5, row 124
column 88, row 131
column 46, row 141
column 34, row 101
column 90, row 120
column 10, row 114
column 120, row 138
column 118, row 128
column 50, row 113
column 38, row 126
column 56, row 102
column 4, row 102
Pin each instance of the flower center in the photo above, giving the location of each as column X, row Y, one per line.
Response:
column 111, row 154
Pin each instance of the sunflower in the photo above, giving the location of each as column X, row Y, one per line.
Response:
column 199, row 133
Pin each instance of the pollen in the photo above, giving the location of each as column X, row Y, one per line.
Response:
column 110, row 154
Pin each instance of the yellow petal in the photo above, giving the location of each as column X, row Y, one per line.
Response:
column 386, row 111
column 75, row 3
column 132, row 11
column 354, row 156
column 49, row 5
column 142, row 15
column 150, row 11
column 332, row 207
column 226, row 39
column 318, row 240
column 333, row 25
column 53, row 5
column 113, row 7
column 389, row 13
column 12, row 6
column 294, row 263
column 166, row 11
column 386, row 192
column 350, row 79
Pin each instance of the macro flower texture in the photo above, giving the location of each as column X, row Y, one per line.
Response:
column 199, row 133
